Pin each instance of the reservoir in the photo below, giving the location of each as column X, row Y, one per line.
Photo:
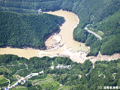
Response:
column 66, row 33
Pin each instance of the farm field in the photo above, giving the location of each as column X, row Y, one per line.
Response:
column 2, row 79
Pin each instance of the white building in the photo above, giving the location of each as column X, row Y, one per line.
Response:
column 42, row 72
column 39, row 11
column 61, row 66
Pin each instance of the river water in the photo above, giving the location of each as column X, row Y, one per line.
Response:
column 66, row 31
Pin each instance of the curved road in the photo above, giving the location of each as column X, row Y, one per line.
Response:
column 93, row 33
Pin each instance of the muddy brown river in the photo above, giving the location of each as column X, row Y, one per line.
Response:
column 66, row 32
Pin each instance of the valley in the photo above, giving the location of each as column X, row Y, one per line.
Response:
column 66, row 46
column 59, row 44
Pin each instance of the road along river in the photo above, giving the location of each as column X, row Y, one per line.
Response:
column 96, row 35
column 65, row 46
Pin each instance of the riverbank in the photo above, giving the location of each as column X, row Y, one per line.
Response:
column 26, row 52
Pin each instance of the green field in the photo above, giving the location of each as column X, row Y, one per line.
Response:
column 48, row 83
column 100, row 33
column 3, row 69
column 19, row 88
column 66, row 88
column 2, row 79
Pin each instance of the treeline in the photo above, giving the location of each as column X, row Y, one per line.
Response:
column 78, row 76
column 23, row 30
column 29, row 6
column 87, row 11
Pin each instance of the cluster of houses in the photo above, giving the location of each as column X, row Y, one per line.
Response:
column 59, row 66
column 24, row 80
column 62, row 66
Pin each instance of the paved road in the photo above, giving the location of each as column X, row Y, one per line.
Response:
column 17, row 72
column 93, row 33
column 20, row 70
column 8, row 81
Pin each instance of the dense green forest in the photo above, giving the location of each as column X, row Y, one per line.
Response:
column 77, row 77
column 103, row 15
column 27, row 30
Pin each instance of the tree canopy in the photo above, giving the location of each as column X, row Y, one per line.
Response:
column 27, row 30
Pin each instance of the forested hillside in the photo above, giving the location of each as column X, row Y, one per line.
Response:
column 103, row 15
column 77, row 77
column 27, row 30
